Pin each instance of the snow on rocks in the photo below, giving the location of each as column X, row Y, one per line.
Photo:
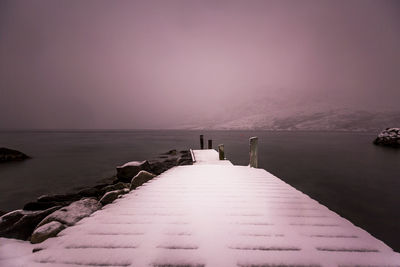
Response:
column 20, row 224
column 389, row 137
column 113, row 195
column 47, row 230
column 127, row 171
column 71, row 214
column 141, row 178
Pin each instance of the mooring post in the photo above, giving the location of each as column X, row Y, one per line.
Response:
column 209, row 143
column 201, row 141
column 254, row 152
column 221, row 152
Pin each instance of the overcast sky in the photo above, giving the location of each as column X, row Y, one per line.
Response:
column 155, row 64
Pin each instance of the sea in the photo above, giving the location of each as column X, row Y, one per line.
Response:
column 342, row 170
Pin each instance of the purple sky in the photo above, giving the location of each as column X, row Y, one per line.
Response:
column 156, row 64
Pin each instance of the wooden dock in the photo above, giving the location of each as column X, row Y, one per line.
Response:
column 214, row 214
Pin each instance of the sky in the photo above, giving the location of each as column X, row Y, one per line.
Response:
column 159, row 64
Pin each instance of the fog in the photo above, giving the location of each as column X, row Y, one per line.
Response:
column 161, row 64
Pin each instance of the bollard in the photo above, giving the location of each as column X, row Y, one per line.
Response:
column 210, row 144
column 201, row 141
column 253, row 152
column 221, row 152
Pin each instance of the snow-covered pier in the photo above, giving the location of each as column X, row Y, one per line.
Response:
column 213, row 214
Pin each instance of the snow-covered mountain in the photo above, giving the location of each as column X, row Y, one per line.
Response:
column 277, row 114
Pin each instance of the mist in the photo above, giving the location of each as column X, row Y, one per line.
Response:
column 161, row 64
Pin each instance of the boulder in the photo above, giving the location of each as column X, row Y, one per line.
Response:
column 90, row 192
column 37, row 205
column 48, row 201
column 117, row 186
column 184, row 160
column 20, row 224
column 74, row 212
column 141, row 178
column 171, row 152
column 389, row 137
column 46, row 231
column 112, row 195
column 59, row 198
column 7, row 154
column 127, row 171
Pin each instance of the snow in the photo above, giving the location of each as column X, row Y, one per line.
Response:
column 209, row 156
column 14, row 252
column 132, row 163
column 213, row 215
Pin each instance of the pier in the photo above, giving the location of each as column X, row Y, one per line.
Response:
column 214, row 214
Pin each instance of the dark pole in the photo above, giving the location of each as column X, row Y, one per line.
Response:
column 202, row 141
column 253, row 152
column 221, row 151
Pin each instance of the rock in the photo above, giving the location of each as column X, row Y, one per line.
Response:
column 117, row 186
column 7, row 154
column 59, row 198
column 108, row 181
column 127, row 171
column 112, row 195
column 171, row 152
column 37, row 205
column 20, row 224
column 141, row 178
column 74, row 212
column 46, row 231
column 389, row 137
column 185, row 160
column 47, row 201
column 90, row 192
column 158, row 167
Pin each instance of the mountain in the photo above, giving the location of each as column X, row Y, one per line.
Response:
column 300, row 115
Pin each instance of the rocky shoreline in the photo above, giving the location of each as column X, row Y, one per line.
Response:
column 7, row 155
column 50, row 214
column 389, row 137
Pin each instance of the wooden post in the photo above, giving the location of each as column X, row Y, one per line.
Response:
column 201, row 141
column 221, row 152
column 209, row 143
column 254, row 152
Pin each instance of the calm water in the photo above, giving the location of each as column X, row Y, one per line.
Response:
column 343, row 171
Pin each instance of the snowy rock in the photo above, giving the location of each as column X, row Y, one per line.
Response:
column 35, row 206
column 48, row 230
column 73, row 213
column 113, row 187
column 90, row 192
column 141, row 178
column 130, row 169
column 171, row 152
column 48, row 201
column 112, row 195
column 7, row 154
column 171, row 159
column 58, row 198
column 389, row 137
column 20, row 224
